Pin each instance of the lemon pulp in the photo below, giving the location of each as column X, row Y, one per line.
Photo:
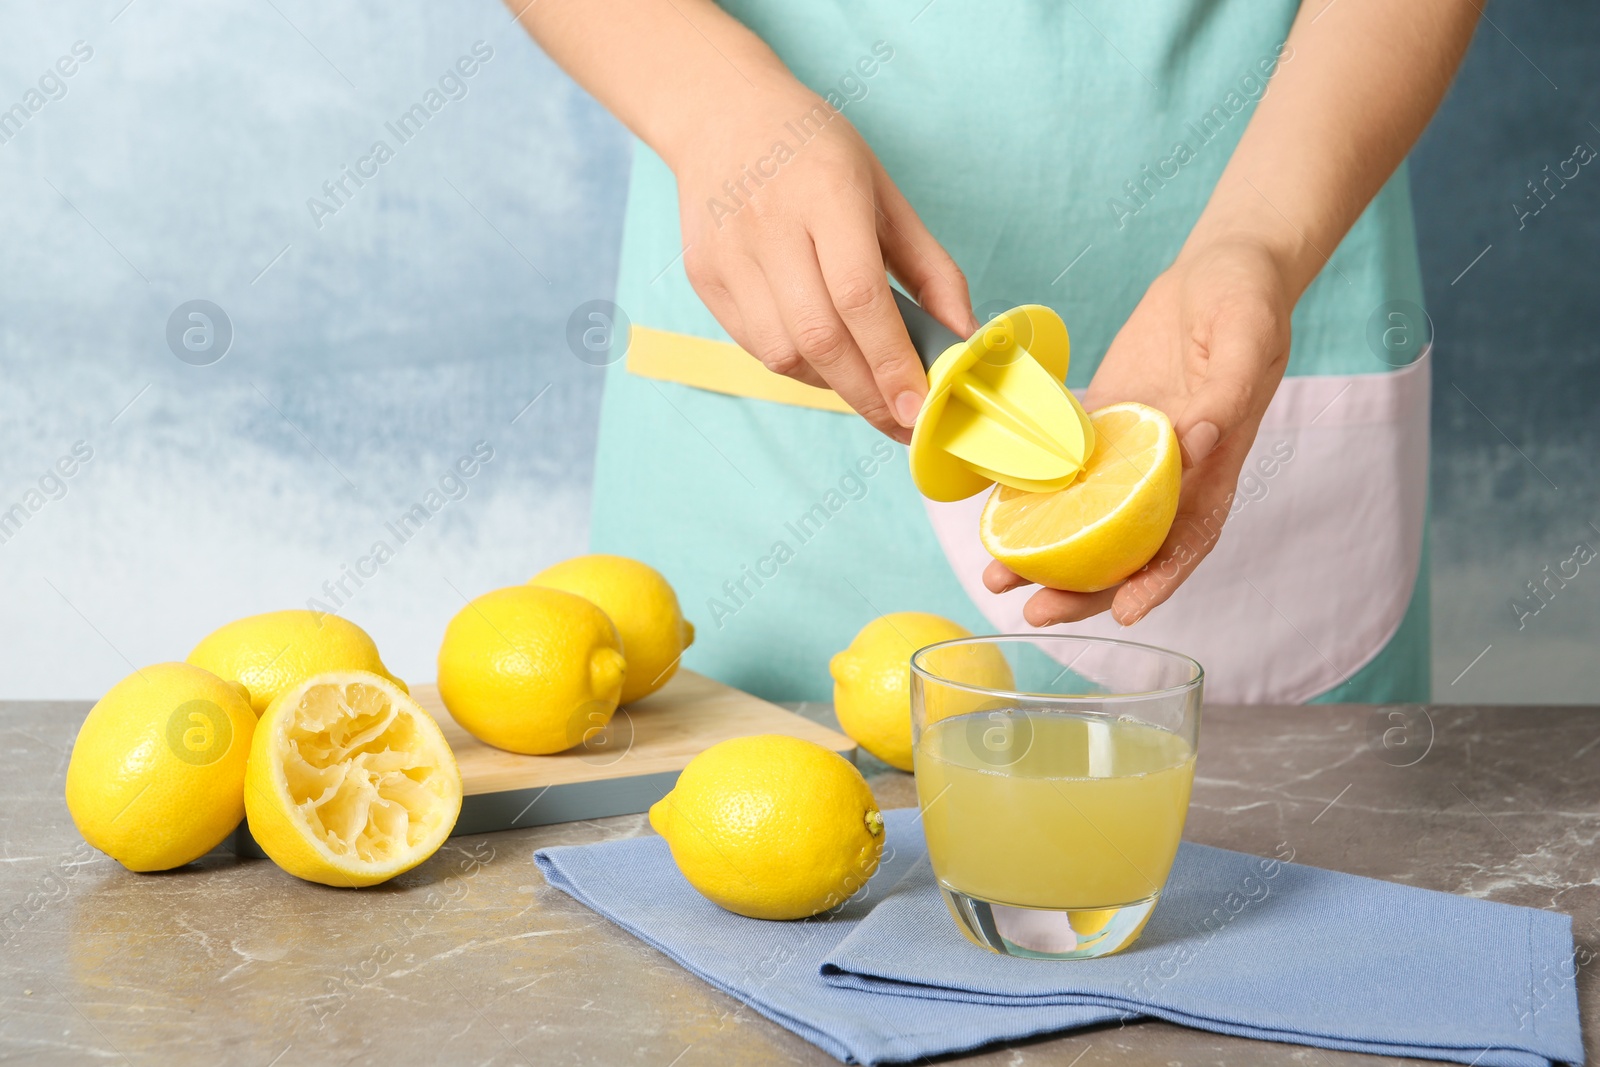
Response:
column 350, row 782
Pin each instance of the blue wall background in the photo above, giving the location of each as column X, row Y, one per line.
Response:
column 428, row 313
column 1515, row 484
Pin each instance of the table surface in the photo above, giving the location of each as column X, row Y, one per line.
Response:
column 471, row 958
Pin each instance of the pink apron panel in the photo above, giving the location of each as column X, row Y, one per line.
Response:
column 1313, row 571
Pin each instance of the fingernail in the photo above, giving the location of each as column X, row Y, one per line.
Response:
column 1199, row 441
column 906, row 406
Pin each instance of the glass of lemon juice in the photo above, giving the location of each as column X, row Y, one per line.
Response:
column 1053, row 773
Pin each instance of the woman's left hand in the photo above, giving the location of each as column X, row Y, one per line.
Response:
column 1208, row 345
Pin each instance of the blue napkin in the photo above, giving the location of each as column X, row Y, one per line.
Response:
column 1304, row 955
column 774, row 967
column 1265, row 949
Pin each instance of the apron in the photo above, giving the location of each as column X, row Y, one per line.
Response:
column 1061, row 153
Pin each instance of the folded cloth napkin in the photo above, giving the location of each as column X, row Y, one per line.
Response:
column 1241, row 945
column 774, row 967
column 1266, row 949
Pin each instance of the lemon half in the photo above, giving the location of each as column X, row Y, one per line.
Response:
column 350, row 782
column 1106, row 525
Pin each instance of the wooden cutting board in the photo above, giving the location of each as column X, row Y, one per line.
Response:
column 623, row 770
column 626, row 768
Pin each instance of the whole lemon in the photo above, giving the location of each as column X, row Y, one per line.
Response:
column 157, row 772
column 350, row 782
column 872, row 679
column 530, row 669
column 277, row 650
column 642, row 605
column 772, row 827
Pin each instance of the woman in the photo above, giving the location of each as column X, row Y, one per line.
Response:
column 1189, row 184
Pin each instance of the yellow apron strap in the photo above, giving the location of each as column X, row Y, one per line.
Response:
column 720, row 367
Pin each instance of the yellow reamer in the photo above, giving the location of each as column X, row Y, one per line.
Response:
column 998, row 409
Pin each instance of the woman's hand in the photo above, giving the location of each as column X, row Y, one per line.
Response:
column 789, row 248
column 1209, row 342
column 1207, row 345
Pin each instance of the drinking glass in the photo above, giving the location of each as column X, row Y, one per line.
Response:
column 1053, row 774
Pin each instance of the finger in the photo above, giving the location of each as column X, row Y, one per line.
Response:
column 1246, row 354
column 820, row 335
column 1203, row 509
column 1050, row 606
column 707, row 278
column 762, row 333
column 920, row 262
column 998, row 578
column 1188, row 542
column 852, row 267
column 741, row 302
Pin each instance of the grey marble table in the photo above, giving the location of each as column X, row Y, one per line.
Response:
column 472, row 959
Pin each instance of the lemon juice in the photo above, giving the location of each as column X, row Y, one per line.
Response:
column 1050, row 810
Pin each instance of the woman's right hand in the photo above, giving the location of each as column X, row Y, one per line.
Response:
column 788, row 248
column 788, row 243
